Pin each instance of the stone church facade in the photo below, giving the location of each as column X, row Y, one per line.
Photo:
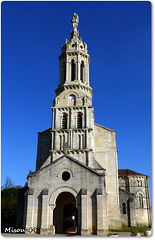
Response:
column 77, row 173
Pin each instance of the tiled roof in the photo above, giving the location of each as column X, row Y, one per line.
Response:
column 128, row 172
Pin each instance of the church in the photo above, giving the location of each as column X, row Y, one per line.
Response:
column 77, row 186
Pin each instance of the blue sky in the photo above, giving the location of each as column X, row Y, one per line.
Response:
column 118, row 35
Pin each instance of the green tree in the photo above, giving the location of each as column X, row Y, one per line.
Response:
column 9, row 201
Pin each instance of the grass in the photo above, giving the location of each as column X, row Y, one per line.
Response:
column 129, row 229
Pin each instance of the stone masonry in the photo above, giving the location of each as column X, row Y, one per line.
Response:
column 77, row 166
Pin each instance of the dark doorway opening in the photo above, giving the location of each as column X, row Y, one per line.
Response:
column 70, row 218
column 65, row 209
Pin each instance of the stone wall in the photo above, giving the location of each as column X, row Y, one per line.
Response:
column 81, row 177
column 140, row 208
column 105, row 153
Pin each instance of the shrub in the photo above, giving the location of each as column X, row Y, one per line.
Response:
column 69, row 223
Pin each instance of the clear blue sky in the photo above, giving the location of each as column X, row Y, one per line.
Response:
column 118, row 35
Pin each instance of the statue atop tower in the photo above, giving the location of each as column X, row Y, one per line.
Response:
column 75, row 21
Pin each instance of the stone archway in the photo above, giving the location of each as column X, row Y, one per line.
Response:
column 65, row 208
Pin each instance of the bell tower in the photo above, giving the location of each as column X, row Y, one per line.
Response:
column 72, row 111
column 74, row 59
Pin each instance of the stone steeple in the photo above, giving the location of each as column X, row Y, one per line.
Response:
column 74, row 60
column 73, row 114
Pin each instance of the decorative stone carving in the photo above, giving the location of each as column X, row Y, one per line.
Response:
column 75, row 21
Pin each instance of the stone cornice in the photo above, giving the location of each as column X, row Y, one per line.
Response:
column 72, row 107
column 71, row 151
column 73, row 52
column 72, row 86
column 71, row 129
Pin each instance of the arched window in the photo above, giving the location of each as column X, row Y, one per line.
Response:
column 140, row 197
column 140, row 183
column 79, row 120
column 72, row 71
column 124, row 208
column 64, row 121
column 81, row 71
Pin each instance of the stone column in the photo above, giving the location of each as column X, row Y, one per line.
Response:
column 71, row 139
column 84, row 212
column 102, row 224
column 57, row 144
column 54, row 123
column 53, row 140
column 87, row 72
column 86, row 143
column 91, row 142
column 51, row 229
column 78, row 69
column 86, row 120
column 67, row 69
column 52, row 118
column 105, row 213
column 44, row 215
column 29, row 212
column 132, row 212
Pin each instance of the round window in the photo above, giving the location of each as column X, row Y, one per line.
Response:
column 66, row 176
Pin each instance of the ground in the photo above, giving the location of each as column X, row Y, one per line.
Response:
column 120, row 234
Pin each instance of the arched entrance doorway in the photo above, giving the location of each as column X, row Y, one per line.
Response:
column 65, row 213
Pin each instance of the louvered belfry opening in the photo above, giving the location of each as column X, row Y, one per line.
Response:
column 64, row 121
column 79, row 120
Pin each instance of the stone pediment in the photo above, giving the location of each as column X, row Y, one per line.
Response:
column 66, row 157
